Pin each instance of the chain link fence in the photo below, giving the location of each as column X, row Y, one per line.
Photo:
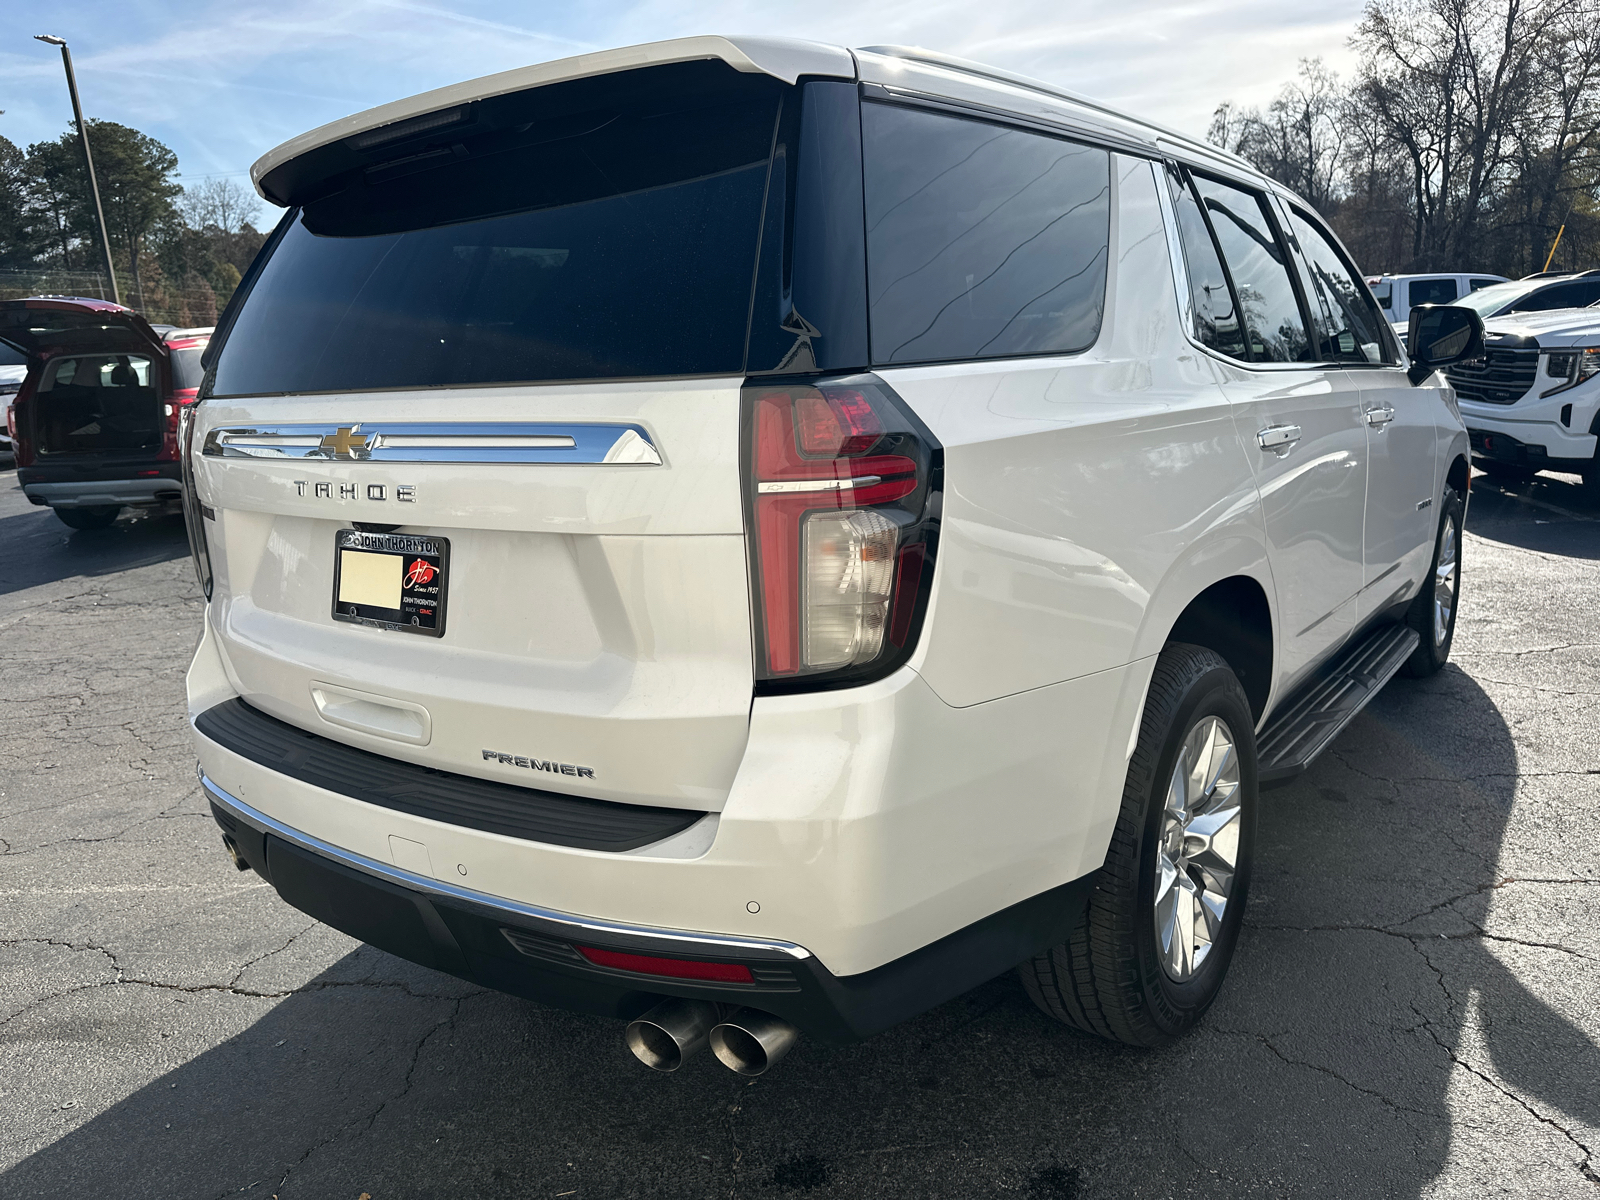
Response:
column 184, row 306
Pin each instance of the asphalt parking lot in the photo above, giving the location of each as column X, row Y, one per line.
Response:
column 1414, row 1010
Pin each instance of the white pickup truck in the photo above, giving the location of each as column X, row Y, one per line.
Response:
column 1399, row 294
column 1532, row 403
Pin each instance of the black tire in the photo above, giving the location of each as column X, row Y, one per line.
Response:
column 98, row 517
column 1433, row 650
column 1108, row 979
column 1503, row 471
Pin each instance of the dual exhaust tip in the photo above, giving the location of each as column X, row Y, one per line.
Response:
column 747, row 1041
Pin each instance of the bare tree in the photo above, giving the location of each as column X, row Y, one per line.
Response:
column 220, row 203
column 1556, row 138
column 1446, row 81
column 1470, row 134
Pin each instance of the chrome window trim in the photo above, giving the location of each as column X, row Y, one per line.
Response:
column 704, row 943
column 398, row 442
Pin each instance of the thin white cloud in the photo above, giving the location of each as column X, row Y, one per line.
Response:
column 222, row 81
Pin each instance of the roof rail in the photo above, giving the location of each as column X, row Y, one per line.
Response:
column 983, row 71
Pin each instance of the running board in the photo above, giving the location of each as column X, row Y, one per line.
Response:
column 1302, row 729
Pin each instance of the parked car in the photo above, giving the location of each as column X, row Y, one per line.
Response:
column 95, row 421
column 1536, row 293
column 1399, row 294
column 776, row 536
column 1532, row 403
column 13, row 369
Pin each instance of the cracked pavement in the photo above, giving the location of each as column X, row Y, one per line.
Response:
column 1414, row 1009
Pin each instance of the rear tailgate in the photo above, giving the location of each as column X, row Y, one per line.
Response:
column 511, row 334
column 596, row 617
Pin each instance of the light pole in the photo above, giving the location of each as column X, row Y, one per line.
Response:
column 88, row 159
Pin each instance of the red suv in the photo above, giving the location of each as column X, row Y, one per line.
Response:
column 95, row 423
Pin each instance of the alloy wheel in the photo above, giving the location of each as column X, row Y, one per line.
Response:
column 1198, row 851
column 1445, row 580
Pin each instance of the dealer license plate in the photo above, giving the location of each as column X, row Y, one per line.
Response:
column 393, row 581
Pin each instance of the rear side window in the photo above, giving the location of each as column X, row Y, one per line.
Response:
column 186, row 369
column 1258, row 264
column 618, row 240
column 1352, row 326
column 982, row 241
column 1433, row 291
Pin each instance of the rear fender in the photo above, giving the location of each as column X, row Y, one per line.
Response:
column 1203, row 565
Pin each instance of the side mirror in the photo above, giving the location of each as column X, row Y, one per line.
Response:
column 1441, row 334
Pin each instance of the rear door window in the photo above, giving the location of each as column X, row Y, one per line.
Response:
column 1216, row 320
column 1433, row 291
column 615, row 241
column 983, row 241
column 1258, row 263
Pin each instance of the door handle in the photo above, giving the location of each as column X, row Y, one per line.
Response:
column 1278, row 438
column 1380, row 416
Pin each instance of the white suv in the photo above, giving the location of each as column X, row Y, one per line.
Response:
column 753, row 537
column 1532, row 403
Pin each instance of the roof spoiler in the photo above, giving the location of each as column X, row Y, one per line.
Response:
column 781, row 58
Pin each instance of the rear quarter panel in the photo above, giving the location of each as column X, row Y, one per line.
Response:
column 1088, row 498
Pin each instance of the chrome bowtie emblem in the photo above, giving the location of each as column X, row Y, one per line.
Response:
column 345, row 443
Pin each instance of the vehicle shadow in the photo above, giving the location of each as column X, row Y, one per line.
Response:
column 1325, row 1068
column 36, row 548
column 1548, row 514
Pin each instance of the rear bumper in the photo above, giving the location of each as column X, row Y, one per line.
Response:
column 530, row 951
column 62, row 489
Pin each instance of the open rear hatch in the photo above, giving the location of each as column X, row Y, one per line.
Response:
column 99, row 377
column 469, row 451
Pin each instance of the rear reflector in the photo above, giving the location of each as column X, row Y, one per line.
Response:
column 674, row 968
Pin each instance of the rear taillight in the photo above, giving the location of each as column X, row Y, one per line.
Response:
column 177, row 400
column 843, row 491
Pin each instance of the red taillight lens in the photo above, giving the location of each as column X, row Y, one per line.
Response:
column 842, row 481
column 177, row 400
column 673, row 968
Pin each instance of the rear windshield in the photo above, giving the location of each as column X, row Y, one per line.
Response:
column 614, row 242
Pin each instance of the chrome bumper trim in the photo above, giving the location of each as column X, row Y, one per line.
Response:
column 705, row 943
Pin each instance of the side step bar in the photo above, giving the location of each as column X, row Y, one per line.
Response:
column 1301, row 729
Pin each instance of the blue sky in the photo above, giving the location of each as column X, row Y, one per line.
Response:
column 222, row 81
